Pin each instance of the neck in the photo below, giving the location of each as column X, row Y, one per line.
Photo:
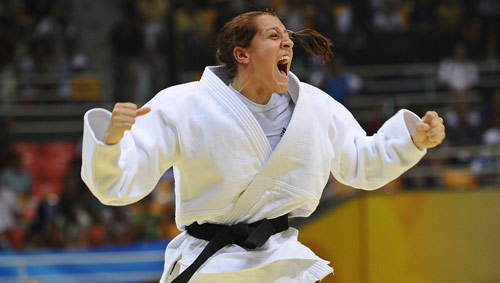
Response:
column 251, row 89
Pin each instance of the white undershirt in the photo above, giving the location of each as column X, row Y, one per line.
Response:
column 273, row 117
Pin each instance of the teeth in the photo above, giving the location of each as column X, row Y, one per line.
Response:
column 284, row 60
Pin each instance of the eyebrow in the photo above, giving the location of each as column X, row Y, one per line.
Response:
column 277, row 30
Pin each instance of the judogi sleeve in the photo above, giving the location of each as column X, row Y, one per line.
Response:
column 369, row 162
column 124, row 173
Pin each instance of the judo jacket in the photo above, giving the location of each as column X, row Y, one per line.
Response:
column 226, row 172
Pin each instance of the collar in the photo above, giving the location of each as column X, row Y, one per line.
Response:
column 221, row 74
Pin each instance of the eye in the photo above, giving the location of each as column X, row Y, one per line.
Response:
column 274, row 35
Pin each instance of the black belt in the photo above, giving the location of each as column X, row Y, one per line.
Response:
column 249, row 236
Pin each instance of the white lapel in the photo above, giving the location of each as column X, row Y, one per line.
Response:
column 217, row 82
column 294, row 131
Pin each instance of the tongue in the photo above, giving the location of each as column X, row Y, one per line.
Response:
column 282, row 69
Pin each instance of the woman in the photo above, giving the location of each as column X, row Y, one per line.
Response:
column 251, row 145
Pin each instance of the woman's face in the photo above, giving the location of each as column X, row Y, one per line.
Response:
column 270, row 55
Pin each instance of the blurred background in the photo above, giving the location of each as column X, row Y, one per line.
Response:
column 439, row 222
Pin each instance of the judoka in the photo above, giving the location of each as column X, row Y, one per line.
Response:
column 251, row 146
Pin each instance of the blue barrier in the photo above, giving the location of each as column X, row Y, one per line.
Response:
column 134, row 263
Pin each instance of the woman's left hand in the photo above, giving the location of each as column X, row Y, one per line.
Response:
column 429, row 131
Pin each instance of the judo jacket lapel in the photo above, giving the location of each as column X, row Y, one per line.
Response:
column 217, row 82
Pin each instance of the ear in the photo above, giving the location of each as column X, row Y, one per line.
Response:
column 240, row 55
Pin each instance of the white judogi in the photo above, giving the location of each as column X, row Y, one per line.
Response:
column 225, row 171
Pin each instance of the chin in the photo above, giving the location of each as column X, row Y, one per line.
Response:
column 282, row 87
column 279, row 83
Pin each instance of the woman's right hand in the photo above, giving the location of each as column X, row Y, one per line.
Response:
column 122, row 119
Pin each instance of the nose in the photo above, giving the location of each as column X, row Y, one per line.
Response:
column 287, row 42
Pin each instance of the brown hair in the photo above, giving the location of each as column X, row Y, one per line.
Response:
column 241, row 29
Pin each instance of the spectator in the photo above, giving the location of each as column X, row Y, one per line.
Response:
column 337, row 82
column 422, row 24
column 74, row 209
column 458, row 73
column 127, row 44
column 492, row 135
column 449, row 13
column 8, row 84
column 388, row 27
column 149, row 69
column 194, row 39
column 121, row 227
column 10, row 212
column 449, row 16
column 4, row 141
column 342, row 31
column 153, row 12
column 489, row 9
column 462, row 124
column 492, row 47
column 14, row 177
column 293, row 15
column 491, row 122
column 388, row 19
column 47, row 228
column 323, row 19
column 489, row 13
column 25, row 68
column 486, row 165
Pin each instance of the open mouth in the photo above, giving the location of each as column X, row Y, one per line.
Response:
column 283, row 65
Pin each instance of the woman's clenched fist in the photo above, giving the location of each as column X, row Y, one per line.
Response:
column 430, row 131
column 122, row 119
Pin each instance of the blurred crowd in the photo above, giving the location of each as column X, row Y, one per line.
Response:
column 38, row 50
column 364, row 31
column 154, row 43
column 45, row 204
column 157, row 43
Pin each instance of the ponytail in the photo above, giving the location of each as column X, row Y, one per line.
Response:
column 314, row 43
